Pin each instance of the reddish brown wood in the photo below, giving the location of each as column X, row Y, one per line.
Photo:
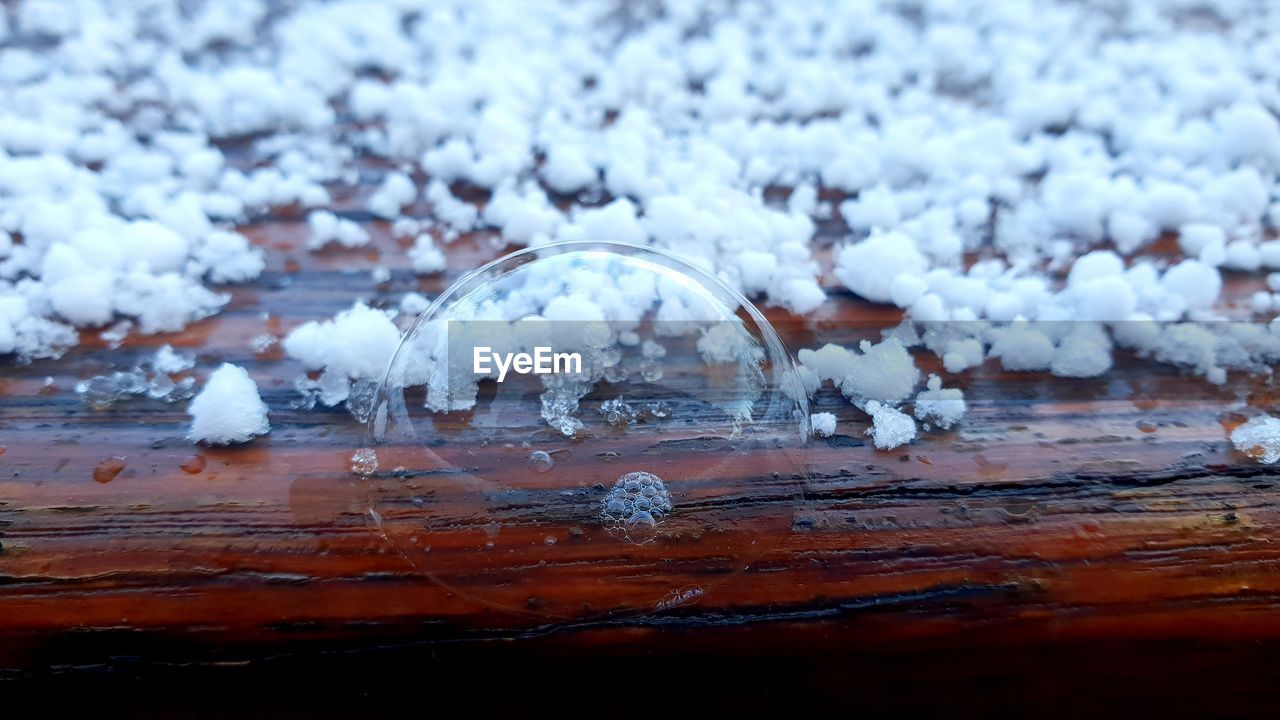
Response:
column 1067, row 524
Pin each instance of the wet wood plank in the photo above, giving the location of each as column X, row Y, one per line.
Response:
column 1064, row 513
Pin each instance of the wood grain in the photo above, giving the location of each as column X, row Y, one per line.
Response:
column 1091, row 525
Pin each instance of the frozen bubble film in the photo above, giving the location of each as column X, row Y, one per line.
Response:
column 583, row 429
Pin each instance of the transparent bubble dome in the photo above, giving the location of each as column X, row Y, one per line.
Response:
column 587, row 429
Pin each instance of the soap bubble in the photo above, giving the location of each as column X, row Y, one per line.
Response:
column 541, row 461
column 618, row 400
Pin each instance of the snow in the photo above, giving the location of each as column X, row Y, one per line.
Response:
column 396, row 191
column 891, row 427
column 1249, row 132
column 457, row 216
column 960, row 355
column 1259, row 438
column 1051, row 143
column 1084, row 352
column 1196, row 283
column 1022, row 348
column 356, row 344
column 164, row 303
column 425, row 256
column 567, row 169
column 228, row 408
column 227, row 257
column 414, row 304
column 1094, row 266
column 167, row 360
column 883, row 372
column 943, row 407
column 869, row 267
column 824, row 424
column 328, row 228
column 1194, row 238
column 523, row 214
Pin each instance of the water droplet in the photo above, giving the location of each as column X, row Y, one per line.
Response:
column 108, row 468
column 540, row 461
column 194, row 464
column 549, row 540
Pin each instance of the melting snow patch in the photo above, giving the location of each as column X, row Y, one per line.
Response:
column 1259, row 439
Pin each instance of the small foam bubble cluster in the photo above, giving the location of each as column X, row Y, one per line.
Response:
column 636, row 505
column 364, row 461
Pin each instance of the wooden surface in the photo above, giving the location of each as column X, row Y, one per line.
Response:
column 1096, row 534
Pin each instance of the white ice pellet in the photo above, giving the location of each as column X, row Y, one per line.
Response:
column 943, row 407
column 328, row 228
column 167, row 360
column 828, row 363
column 356, row 344
column 874, row 208
column 1022, row 349
column 523, row 214
column 960, row 355
column 1130, row 230
column 1249, row 132
column 425, row 256
column 396, row 191
column 884, row 372
column 1089, row 126
column 824, row 424
column 227, row 257
column 890, row 427
column 414, row 304
column 1260, row 301
column 567, row 169
column 1194, row 238
column 228, row 408
column 870, row 267
column 1084, row 352
column 459, row 216
column 906, row 289
column 1269, row 254
column 1242, row 255
column 1196, row 283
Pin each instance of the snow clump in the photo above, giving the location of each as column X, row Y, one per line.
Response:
column 228, row 408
